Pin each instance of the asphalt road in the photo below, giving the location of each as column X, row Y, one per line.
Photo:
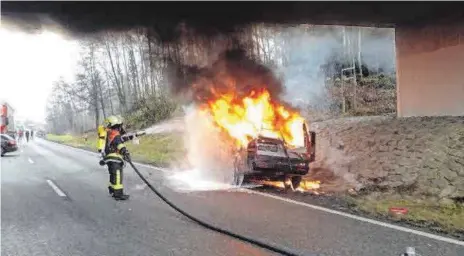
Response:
column 36, row 219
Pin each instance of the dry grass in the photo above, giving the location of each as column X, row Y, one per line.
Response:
column 157, row 149
column 446, row 217
column 75, row 141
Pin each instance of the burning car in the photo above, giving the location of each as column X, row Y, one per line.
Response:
column 266, row 137
column 268, row 158
column 270, row 141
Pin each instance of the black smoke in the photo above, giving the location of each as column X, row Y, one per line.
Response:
column 233, row 72
column 211, row 18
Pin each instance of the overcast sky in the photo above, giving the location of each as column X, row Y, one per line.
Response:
column 29, row 64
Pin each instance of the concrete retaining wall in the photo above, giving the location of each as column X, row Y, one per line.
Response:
column 423, row 155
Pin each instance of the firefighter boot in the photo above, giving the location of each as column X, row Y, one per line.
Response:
column 119, row 195
column 110, row 190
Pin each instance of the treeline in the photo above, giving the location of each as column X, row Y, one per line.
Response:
column 129, row 73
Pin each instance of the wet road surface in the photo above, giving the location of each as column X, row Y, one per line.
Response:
column 55, row 202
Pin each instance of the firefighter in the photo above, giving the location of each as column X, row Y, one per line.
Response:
column 111, row 145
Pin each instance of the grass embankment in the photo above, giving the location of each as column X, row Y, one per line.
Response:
column 75, row 141
column 157, row 149
column 448, row 218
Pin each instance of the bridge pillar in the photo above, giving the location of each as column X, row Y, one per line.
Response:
column 430, row 70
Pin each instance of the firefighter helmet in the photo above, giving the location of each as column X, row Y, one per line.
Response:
column 113, row 120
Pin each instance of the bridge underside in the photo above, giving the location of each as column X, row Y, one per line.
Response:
column 429, row 36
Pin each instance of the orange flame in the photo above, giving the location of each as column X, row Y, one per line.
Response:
column 305, row 185
column 256, row 114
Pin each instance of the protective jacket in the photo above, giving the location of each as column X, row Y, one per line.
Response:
column 111, row 144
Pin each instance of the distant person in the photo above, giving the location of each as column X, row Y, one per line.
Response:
column 32, row 135
column 27, row 136
column 20, row 135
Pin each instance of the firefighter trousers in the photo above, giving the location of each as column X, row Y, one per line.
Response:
column 116, row 177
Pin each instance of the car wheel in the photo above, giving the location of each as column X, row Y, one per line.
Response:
column 2, row 152
column 292, row 183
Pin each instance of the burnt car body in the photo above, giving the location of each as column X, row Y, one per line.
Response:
column 267, row 158
column 8, row 144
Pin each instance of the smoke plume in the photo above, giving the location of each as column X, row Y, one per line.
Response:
column 209, row 161
column 314, row 55
column 233, row 71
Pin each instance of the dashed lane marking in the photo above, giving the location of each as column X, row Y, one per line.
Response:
column 56, row 188
column 30, row 160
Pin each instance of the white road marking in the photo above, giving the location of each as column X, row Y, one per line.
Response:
column 57, row 189
column 315, row 207
column 371, row 221
column 30, row 160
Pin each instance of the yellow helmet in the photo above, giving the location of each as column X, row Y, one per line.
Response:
column 113, row 120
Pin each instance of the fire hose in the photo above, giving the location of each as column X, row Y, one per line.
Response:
column 410, row 251
column 209, row 226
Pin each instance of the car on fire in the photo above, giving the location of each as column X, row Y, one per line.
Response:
column 267, row 158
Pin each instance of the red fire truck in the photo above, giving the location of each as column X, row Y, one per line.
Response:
column 7, row 125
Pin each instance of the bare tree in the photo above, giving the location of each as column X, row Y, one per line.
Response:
column 116, row 75
column 127, row 73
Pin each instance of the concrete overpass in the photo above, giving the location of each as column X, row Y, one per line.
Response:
column 429, row 36
column 430, row 70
